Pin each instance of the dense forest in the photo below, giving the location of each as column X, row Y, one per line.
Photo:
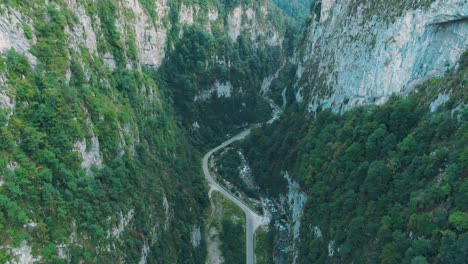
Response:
column 386, row 184
column 100, row 152
column 136, row 123
column 187, row 73
column 298, row 9
column 201, row 59
column 47, row 199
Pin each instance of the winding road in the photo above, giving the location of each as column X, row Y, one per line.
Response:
column 253, row 221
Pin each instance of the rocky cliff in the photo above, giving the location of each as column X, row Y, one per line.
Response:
column 361, row 52
column 94, row 166
column 101, row 103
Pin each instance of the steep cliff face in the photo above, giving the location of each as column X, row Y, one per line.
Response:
column 101, row 102
column 93, row 165
column 361, row 52
column 376, row 184
column 214, row 71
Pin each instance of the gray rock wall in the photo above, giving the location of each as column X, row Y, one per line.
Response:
column 351, row 58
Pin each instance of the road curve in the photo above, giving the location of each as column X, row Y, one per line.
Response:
column 253, row 221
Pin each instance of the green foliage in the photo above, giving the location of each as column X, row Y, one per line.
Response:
column 386, row 183
column 385, row 9
column 233, row 246
column 419, row 260
column 229, row 219
column 297, row 9
column 148, row 161
column 51, row 47
column 27, row 31
column 459, row 220
column 264, row 245
column 106, row 11
column 150, row 8
column 231, row 4
column 228, row 167
column 454, row 249
column 147, row 155
column 189, row 71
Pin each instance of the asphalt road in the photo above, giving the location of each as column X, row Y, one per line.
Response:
column 253, row 221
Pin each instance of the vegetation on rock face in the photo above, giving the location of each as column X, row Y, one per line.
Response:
column 298, row 9
column 48, row 200
column 387, row 10
column 133, row 125
column 51, row 190
column 386, row 184
column 190, row 70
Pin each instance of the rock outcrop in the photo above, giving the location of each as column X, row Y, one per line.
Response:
column 354, row 55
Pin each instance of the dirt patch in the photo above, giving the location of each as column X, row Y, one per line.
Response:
column 214, row 252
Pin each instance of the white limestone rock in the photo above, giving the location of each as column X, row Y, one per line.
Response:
column 350, row 61
column 266, row 84
column 124, row 221
column 327, row 6
column 89, row 152
column 195, row 236
column 245, row 173
column 234, row 23
column 441, row 100
column 7, row 100
column 213, row 14
column 12, row 165
column 83, row 33
column 63, row 252
column 128, row 139
column 109, row 61
column 22, row 254
column 144, row 254
column 223, row 89
column 187, row 14
column 167, row 213
column 317, row 232
column 12, row 35
column 204, row 95
column 295, row 202
column 151, row 38
column 274, row 39
column 254, row 23
column 331, row 248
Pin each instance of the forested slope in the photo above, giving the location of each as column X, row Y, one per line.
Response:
column 385, row 184
column 106, row 105
column 91, row 166
column 99, row 115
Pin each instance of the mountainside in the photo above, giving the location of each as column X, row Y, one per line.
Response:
column 214, row 78
column 361, row 52
column 298, row 9
column 97, row 163
column 107, row 106
column 360, row 183
column 382, row 184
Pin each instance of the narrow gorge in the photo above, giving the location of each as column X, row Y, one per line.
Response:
column 356, row 150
